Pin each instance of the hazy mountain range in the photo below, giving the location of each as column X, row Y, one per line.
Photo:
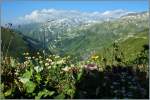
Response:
column 79, row 33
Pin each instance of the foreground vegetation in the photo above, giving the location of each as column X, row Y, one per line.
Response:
column 51, row 76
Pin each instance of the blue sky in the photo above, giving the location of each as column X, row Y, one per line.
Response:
column 13, row 10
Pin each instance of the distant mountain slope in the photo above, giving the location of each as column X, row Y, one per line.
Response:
column 64, row 36
column 15, row 43
column 58, row 24
column 133, row 45
column 103, row 35
column 12, row 43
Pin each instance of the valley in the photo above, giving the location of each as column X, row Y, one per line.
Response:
column 69, row 54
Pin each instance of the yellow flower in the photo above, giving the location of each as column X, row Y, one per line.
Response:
column 95, row 57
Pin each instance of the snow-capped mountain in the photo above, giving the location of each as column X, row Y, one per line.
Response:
column 55, row 22
column 52, row 26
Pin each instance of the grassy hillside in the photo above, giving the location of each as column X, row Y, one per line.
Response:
column 133, row 45
column 102, row 35
column 12, row 43
column 15, row 43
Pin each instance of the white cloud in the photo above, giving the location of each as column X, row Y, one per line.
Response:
column 45, row 14
column 115, row 13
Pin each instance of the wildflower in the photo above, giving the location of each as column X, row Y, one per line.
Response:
column 56, row 56
column 66, row 69
column 40, row 56
column 123, row 88
column 26, row 62
column 72, row 65
column 115, row 91
column 38, row 53
column 133, row 87
column 36, row 68
column 60, row 61
column 123, row 74
column 36, row 59
column 3, row 61
column 104, row 84
column 68, row 57
column 114, row 83
column 112, row 86
column 91, row 67
column 49, row 67
column 101, row 69
column 106, row 77
column 133, row 79
column 129, row 94
column 123, row 80
column 48, row 59
column 74, row 69
column 12, row 62
column 54, row 66
column 24, row 80
column 52, row 63
column 46, row 64
column 29, row 58
column 123, row 91
column 40, row 62
column 129, row 83
column 33, row 57
column 18, row 64
column 129, row 77
column 88, row 61
column 27, row 53
column 95, row 57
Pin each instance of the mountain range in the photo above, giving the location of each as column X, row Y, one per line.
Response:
column 82, row 33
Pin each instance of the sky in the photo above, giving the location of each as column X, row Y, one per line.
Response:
column 12, row 10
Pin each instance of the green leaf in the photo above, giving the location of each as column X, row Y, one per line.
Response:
column 12, row 62
column 44, row 93
column 30, row 86
column 70, row 92
column 60, row 96
column 38, row 77
column 26, row 77
column 79, row 76
column 2, row 86
column 1, row 93
column 8, row 92
column 2, row 97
